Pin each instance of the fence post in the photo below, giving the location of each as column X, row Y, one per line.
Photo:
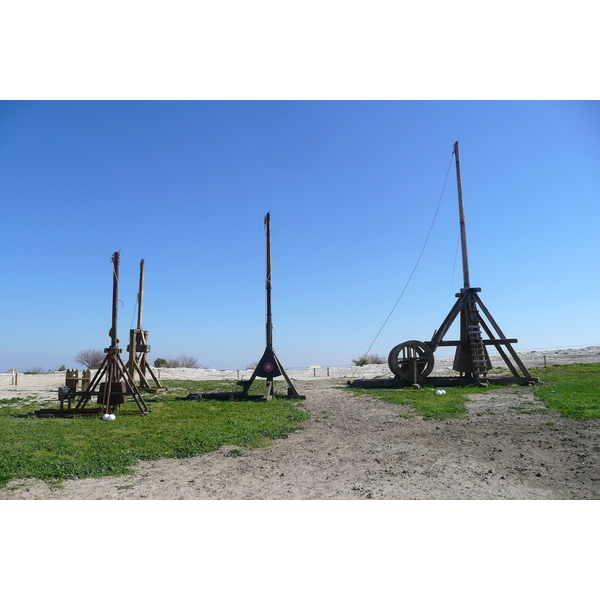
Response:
column 14, row 377
column 86, row 379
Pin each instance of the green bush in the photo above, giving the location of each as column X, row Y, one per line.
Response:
column 369, row 359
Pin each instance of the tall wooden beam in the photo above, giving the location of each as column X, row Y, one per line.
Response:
column 463, row 228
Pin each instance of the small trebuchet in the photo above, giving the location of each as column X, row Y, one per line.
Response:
column 138, row 347
column 268, row 366
column 112, row 384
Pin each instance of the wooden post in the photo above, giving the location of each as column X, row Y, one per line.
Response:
column 141, row 295
column 269, row 325
column 114, row 342
column 461, row 212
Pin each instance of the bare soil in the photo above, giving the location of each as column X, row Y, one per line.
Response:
column 355, row 447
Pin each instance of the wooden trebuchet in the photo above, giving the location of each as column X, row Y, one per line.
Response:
column 138, row 348
column 412, row 362
column 111, row 385
column 269, row 366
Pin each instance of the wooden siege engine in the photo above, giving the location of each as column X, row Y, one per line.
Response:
column 111, row 385
column 138, row 347
column 268, row 366
column 413, row 361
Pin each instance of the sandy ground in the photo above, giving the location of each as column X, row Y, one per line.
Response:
column 354, row 447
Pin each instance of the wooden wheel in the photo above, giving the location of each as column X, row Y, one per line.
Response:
column 412, row 360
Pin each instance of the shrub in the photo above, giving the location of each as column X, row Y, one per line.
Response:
column 182, row 361
column 369, row 359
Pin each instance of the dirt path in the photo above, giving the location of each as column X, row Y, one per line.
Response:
column 354, row 447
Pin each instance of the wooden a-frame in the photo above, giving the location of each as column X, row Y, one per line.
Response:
column 269, row 366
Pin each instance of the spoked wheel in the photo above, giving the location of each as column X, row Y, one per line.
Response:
column 411, row 360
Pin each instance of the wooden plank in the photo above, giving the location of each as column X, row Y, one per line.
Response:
column 438, row 335
column 493, row 342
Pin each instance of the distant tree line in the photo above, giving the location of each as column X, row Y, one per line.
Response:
column 92, row 359
column 182, row 361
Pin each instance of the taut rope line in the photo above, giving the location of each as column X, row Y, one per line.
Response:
column 416, row 264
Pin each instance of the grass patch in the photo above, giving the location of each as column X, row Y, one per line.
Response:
column 55, row 449
column 525, row 410
column 10, row 401
column 425, row 403
column 234, row 453
column 571, row 390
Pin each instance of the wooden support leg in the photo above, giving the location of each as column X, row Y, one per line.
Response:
column 415, row 373
column 292, row 391
column 502, row 336
column 268, row 390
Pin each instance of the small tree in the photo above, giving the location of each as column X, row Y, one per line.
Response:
column 160, row 362
column 92, row 359
column 188, row 362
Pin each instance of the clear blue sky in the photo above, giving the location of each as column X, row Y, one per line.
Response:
column 352, row 187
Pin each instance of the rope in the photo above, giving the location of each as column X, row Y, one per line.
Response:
column 416, row 264
column 455, row 256
column 134, row 309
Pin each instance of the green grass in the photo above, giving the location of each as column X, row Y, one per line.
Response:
column 425, row 403
column 54, row 449
column 571, row 390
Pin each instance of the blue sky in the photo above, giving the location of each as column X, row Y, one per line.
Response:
column 352, row 187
